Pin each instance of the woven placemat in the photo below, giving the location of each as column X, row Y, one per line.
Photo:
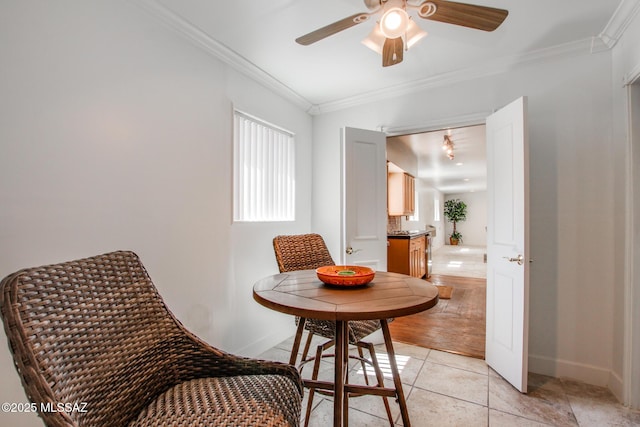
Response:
column 444, row 292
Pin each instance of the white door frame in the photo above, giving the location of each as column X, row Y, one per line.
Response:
column 475, row 119
column 631, row 369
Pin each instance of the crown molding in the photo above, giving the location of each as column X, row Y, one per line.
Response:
column 437, row 124
column 201, row 39
column 632, row 76
column 612, row 32
column 620, row 20
column 498, row 66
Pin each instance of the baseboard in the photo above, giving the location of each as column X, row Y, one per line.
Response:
column 616, row 385
column 559, row 368
column 266, row 342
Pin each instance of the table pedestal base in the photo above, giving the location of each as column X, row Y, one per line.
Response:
column 341, row 388
column 388, row 295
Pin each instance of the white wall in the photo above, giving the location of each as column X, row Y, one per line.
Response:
column 572, row 194
column 473, row 230
column 115, row 133
column 402, row 156
column 439, row 240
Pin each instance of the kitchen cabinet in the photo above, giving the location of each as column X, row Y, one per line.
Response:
column 401, row 188
column 407, row 255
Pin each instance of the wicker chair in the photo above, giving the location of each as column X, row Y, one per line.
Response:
column 95, row 335
column 306, row 252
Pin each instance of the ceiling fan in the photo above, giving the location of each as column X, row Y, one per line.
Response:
column 396, row 31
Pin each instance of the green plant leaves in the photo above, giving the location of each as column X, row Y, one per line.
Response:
column 455, row 210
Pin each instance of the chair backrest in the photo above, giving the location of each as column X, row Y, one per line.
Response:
column 93, row 331
column 301, row 252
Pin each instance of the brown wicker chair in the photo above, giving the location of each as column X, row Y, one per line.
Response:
column 306, row 252
column 94, row 334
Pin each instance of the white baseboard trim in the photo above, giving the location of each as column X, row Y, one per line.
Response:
column 616, row 385
column 266, row 342
column 559, row 368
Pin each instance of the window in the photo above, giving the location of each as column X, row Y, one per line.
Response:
column 263, row 171
column 416, row 210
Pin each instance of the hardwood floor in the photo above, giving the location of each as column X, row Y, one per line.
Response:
column 455, row 325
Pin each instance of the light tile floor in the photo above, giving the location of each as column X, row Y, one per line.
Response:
column 444, row 389
column 465, row 261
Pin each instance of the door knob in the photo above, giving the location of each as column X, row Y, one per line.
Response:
column 519, row 259
column 351, row 251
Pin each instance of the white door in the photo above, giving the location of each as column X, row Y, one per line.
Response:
column 364, row 198
column 508, row 243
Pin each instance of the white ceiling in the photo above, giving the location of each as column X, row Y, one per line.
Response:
column 261, row 35
column 258, row 39
column 467, row 172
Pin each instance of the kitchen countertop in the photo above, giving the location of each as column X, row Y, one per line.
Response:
column 410, row 234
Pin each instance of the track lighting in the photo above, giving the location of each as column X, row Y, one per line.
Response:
column 447, row 146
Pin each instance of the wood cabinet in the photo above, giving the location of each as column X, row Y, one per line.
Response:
column 407, row 256
column 401, row 197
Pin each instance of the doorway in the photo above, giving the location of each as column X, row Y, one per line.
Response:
column 457, row 323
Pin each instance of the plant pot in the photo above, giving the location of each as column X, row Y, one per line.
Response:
column 453, row 241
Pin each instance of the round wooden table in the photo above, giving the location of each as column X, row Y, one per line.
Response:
column 301, row 293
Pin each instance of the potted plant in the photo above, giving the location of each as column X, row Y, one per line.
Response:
column 455, row 210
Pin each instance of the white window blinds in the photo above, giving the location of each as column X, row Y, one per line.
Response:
column 264, row 171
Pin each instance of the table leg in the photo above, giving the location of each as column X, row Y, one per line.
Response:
column 396, row 375
column 345, row 363
column 341, row 337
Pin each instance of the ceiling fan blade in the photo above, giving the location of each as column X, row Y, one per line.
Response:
column 392, row 52
column 467, row 15
column 331, row 29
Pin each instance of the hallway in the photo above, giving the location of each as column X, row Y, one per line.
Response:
column 455, row 325
column 461, row 261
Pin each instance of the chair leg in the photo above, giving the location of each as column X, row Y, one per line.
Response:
column 307, row 345
column 314, row 376
column 296, row 342
column 380, row 378
column 362, row 362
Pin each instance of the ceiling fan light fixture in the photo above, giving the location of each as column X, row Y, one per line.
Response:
column 396, row 31
column 414, row 34
column 394, row 22
column 375, row 39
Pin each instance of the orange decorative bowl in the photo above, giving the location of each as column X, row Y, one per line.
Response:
column 345, row 275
